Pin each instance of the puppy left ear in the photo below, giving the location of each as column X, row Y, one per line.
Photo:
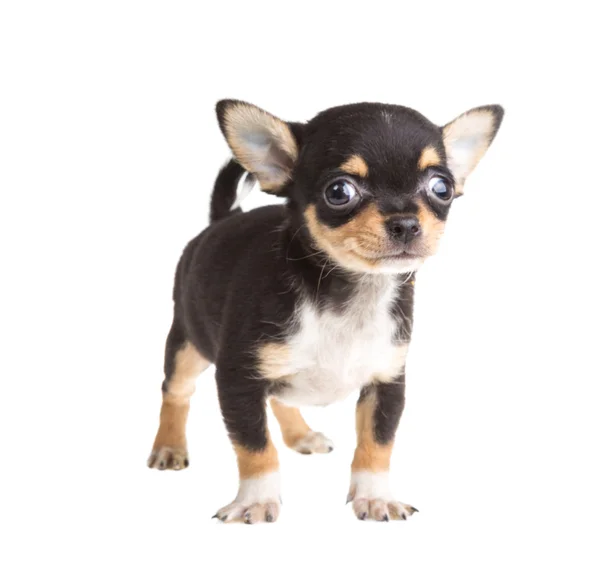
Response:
column 263, row 144
column 468, row 137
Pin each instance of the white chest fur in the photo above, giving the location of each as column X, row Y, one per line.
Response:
column 335, row 352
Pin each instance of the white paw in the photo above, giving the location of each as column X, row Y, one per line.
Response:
column 257, row 501
column 239, row 512
column 381, row 510
column 314, row 442
column 371, row 498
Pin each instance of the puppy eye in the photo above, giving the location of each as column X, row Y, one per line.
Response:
column 440, row 188
column 340, row 194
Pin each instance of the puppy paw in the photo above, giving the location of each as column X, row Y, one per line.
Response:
column 240, row 512
column 378, row 509
column 169, row 458
column 257, row 501
column 371, row 498
column 313, row 442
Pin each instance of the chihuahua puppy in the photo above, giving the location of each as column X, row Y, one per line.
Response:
column 304, row 303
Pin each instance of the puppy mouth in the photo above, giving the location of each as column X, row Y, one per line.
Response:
column 389, row 256
column 402, row 255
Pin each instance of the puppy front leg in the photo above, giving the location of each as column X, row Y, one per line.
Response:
column 243, row 404
column 378, row 413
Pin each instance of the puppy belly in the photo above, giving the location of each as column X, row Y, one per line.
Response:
column 315, row 390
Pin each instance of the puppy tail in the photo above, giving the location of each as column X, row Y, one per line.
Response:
column 227, row 192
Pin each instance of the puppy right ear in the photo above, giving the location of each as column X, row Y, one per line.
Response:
column 262, row 143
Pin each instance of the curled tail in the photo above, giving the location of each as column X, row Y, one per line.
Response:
column 226, row 195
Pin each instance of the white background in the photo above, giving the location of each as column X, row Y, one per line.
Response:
column 108, row 150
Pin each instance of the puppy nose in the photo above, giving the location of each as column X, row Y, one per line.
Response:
column 403, row 228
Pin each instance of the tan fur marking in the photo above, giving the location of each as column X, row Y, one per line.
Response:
column 171, row 432
column 293, row 426
column 347, row 244
column 396, row 367
column 189, row 364
column 355, row 166
column 433, row 227
column 274, row 361
column 429, row 157
column 252, row 464
column 241, row 119
column 369, row 455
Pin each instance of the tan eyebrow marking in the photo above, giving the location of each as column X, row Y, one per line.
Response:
column 429, row 157
column 356, row 166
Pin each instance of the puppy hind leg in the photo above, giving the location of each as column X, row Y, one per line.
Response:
column 183, row 364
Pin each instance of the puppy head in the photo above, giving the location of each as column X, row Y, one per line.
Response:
column 372, row 183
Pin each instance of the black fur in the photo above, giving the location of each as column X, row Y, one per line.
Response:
column 224, row 191
column 389, row 405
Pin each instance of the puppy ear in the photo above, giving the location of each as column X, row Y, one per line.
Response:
column 467, row 138
column 264, row 145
